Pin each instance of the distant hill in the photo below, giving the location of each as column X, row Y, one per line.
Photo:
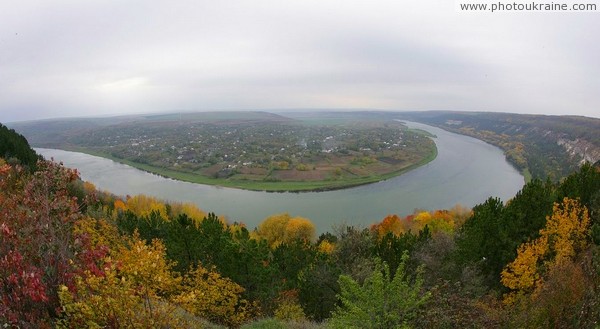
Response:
column 55, row 133
column 15, row 148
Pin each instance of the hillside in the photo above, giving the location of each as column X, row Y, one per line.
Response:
column 540, row 146
column 15, row 148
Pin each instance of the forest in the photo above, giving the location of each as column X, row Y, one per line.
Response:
column 72, row 256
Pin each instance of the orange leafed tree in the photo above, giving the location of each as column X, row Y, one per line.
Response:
column 120, row 205
column 390, row 224
column 438, row 220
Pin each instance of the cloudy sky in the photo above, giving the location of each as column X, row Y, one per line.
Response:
column 109, row 57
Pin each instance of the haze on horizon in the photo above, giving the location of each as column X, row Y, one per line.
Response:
column 102, row 58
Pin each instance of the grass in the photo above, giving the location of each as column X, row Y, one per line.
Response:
column 254, row 185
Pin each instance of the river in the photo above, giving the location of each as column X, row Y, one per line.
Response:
column 466, row 171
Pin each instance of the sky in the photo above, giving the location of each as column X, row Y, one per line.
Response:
column 112, row 57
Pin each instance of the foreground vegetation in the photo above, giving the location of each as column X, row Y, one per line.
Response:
column 73, row 257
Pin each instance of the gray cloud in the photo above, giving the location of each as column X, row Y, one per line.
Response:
column 99, row 57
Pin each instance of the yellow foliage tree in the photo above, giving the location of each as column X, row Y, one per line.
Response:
column 568, row 228
column 189, row 209
column 282, row 228
column 147, row 267
column 207, row 294
column 299, row 229
column 142, row 205
column 99, row 233
column 523, row 273
column 131, row 290
column 289, row 307
column 111, row 301
column 272, row 229
column 566, row 233
column 326, row 247
column 89, row 188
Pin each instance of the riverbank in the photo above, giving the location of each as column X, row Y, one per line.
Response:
column 267, row 186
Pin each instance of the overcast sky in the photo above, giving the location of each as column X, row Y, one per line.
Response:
column 103, row 57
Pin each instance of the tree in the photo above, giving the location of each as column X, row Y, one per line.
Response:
column 479, row 240
column 209, row 295
column 282, row 228
column 132, row 289
column 189, row 209
column 566, row 233
column 36, row 246
column 583, row 184
column 318, row 287
column 382, row 301
column 390, row 248
column 13, row 146
column 272, row 229
column 353, row 252
column 142, row 205
column 299, row 229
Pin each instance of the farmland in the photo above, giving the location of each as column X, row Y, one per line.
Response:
column 269, row 152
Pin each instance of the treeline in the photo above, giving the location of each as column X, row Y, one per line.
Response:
column 15, row 148
column 72, row 256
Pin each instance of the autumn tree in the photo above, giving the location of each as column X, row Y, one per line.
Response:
column 282, row 228
column 566, row 233
column 132, row 288
column 548, row 279
column 390, row 224
column 142, row 205
column 36, row 217
column 188, row 209
column 209, row 295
